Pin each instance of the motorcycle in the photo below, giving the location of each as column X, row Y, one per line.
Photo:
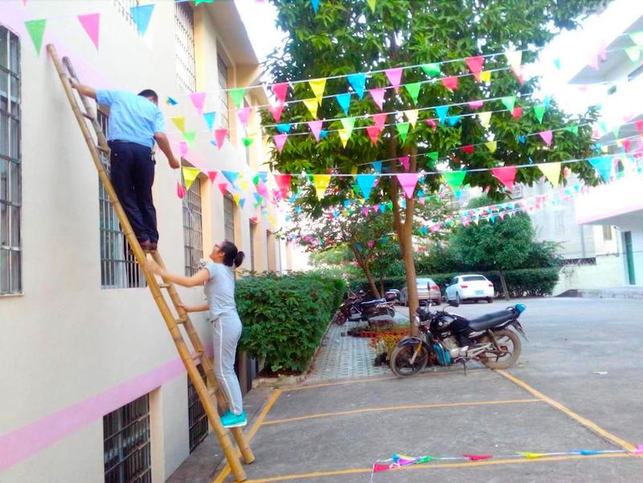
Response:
column 447, row 339
column 355, row 308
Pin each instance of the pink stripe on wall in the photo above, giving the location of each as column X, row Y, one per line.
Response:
column 24, row 442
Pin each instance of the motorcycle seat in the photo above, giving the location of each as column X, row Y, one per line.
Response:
column 373, row 302
column 488, row 321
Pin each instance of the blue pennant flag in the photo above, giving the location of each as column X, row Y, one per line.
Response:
column 315, row 4
column 141, row 16
column 344, row 101
column 453, row 120
column 258, row 197
column 602, row 164
column 347, row 203
column 231, row 176
column 171, row 101
column 522, row 139
column 263, row 175
column 358, row 83
column 323, row 134
column 242, row 202
column 377, row 166
column 365, row 183
column 209, row 118
column 441, row 112
column 284, row 127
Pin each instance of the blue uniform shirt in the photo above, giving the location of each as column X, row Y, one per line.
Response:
column 132, row 118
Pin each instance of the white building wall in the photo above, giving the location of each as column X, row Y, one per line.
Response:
column 65, row 339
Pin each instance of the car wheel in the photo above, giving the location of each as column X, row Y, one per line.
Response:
column 489, row 300
column 457, row 299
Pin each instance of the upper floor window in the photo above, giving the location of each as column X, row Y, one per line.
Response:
column 184, row 40
column 192, row 228
column 10, row 168
column 222, row 109
column 124, row 6
column 228, row 218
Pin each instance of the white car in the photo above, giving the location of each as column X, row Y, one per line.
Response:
column 469, row 287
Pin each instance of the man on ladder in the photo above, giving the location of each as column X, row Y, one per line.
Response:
column 135, row 123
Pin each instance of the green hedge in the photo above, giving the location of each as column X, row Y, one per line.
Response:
column 532, row 282
column 284, row 317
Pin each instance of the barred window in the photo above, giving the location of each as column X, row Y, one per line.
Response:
column 192, row 228
column 228, row 218
column 197, row 419
column 124, row 6
column 10, row 167
column 222, row 110
column 118, row 267
column 126, row 443
column 184, row 40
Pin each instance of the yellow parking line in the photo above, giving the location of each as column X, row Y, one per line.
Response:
column 399, row 408
column 592, row 426
column 253, row 430
column 437, row 466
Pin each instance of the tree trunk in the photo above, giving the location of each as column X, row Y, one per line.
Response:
column 363, row 264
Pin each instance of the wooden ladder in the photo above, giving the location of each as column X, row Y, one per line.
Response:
column 207, row 388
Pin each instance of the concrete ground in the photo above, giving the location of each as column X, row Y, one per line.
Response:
column 578, row 385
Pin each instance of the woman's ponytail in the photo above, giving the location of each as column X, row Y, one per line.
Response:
column 238, row 260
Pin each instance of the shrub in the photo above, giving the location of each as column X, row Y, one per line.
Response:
column 284, row 317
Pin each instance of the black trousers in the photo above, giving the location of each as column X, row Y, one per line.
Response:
column 132, row 174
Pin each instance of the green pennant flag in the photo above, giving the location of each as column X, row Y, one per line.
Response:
column 454, row 178
column 637, row 38
column 190, row 137
column 348, row 123
column 433, row 156
column 247, row 141
column 634, row 53
column 36, row 29
column 431, row 69
column 371, row 4
column 237, row 95
column 539, row 112
column 509, row 102
column 572, row 129
column 403, row 130
column 414, row 90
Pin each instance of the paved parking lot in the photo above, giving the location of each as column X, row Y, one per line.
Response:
column 578, row 385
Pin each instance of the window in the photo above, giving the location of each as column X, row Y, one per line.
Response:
column 197, row 418
column 228, row 218
column 222, row 111
column 10, row 168
column 270, row 248
column 607, row 233
column 192, row 228
column 118, row 267
column 253, row 236
column 184, row 40
column 126, row 442
column 124, row 6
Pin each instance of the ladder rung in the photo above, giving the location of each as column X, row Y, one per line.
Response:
column 104, row 150
column 181, row 320
column 87, row 116
column 165, row 285
column 197, row 357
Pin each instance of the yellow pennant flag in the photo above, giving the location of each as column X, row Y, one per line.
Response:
column 354, row 170
column 189, row 175
column 485, row 76
column 514, row 59
column 179, row 122
column 318, row 86
column 411, row 116
column 484, row 118
column 311, row 105
column 236, row 197
column 551, row 172
column 272, row 220
column 320, row 182
column 531, row 456
column 344, row 136
column 491, row 146
column 243, row 184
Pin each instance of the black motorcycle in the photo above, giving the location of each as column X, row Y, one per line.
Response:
column 447, row 339
column 356, row 308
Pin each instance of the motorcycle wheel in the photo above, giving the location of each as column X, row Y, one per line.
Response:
column 391, row 312
column 510, row 344
column 401, row 360
column 339, row 318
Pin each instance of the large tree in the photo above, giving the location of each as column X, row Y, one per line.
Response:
column 346, row 37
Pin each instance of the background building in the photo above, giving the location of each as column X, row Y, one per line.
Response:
column 92, row 388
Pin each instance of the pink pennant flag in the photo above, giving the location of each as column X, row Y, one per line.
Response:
column 506, row 175
column 280, row 140
column 91, row 23
column 223, row 187
column 315, row 128
column 280, row 91
column 283, row 181
column 475, row 65
column 378, row 96
column 379, row 119
column 219, row 136
column 180, row 190
column 404, row 161
column 478, row 457
column 183, row 149
column 476, row 104
column 639, row 126
column 212, row 175
column 276, row 111
column 431, row 123
column 244, row 115
column 450, row 83
column 517, row 112
column 547, row 137
column 198, row 100
column 395, row 77
column 407, row 182
column 627, row 145
column 468, row 149
column 373, row 133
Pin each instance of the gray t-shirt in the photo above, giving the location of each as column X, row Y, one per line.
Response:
column 219, row 290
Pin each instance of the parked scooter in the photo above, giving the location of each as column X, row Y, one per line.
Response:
column 355, row 308
column 447, row 339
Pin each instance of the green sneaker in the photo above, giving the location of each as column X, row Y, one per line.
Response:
column 230, row 420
